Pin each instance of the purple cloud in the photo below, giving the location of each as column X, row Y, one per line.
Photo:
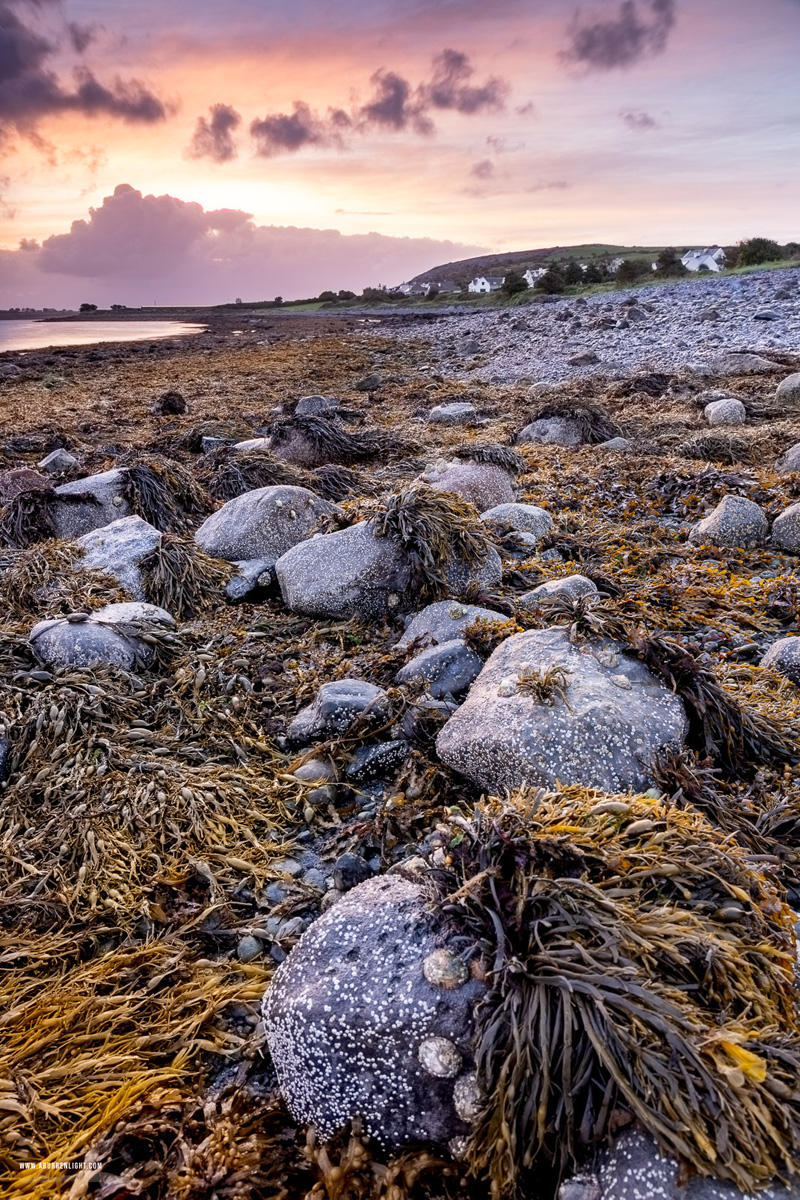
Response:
column 213, row 137
column 637, row 30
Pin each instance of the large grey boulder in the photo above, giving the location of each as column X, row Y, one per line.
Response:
column 262, row 524
column 335, row 708
column 552, row 431
column 789, row 390
column 527, row 518
column 616, row 716
column 341, row 574
column 790, row 460
column 783, row 656
column 736, row 521
column 446, row 669
column 105, row 503
column 483, row 484
column 371, row 1016
column 786, row 530
column 456, row 413
column 635, row 1169
column 109, row 635
column 118, row 549
column 354, row 572
column 725, row 412
column 569, row 585
column 445, row 620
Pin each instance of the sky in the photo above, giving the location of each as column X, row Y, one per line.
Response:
column 193, row 151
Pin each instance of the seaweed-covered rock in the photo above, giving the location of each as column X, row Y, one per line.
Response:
column 340, row 574
column 371, row 1016
column 484, row 484
column 445, row 620
column 456, row 413
column 262, row 524
column 635, row 1169
column 569, row 585
column 790, row 460
column 169, row 404
column 736, row 521
column 446, row 669
column 788, row 392
column 21, row 479
column 108, row 635
column 783, row 656
column 786, row 530
column 527, row 518
column 552, row 431
column 545, row 710
column 118, row 549
column 104, row 502
column 335, row 708
column 726, row 412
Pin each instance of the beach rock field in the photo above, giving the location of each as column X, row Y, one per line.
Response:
column 400, row 754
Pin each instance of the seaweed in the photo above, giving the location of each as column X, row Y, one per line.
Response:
column 717, row 447
column 163, row 493
column 329, row 439
column 497, row 456
column 594, row 423
column 27, row 519
column 179, row 577
column 615, row 991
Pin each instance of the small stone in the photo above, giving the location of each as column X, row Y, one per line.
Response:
column 314, row 771
column 58, row 461
column 452, row 414
column 349, row 871
column 249, row 948
column 526, row 518
column 789, row 391
column 468, row 1098
column 569, row 585
column 315, row 406
column 445, row 970
column 377, row 761
column 586, row 358
column 618, row 444
column 440, row 1057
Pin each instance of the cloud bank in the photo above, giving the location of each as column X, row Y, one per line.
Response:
column 135, row 249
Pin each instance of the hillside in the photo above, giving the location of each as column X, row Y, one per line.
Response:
column 519, row 260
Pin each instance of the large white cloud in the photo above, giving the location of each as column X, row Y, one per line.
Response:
column 137, row 249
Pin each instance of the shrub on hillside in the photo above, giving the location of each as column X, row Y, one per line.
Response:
column 669, row 263
column 513, row 284
column 552, row 283
column 631, row 270
column 755, row 251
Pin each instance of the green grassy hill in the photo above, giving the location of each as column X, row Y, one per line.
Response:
column 519, row 260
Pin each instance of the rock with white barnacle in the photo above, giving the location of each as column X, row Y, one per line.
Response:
column 109, row 635
column 736, row 521
column 783, row 657
column 786, row 530
column 634, row 1168
column 484, row 484
column 89, row 503
column 371, row 1016
column 262, row 524
column 336, row 706
column 544, row 710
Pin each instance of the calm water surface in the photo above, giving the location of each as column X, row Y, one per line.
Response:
column 36, row 335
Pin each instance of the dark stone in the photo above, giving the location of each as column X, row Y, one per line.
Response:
column 5, row 759
column 349, row 871
column 445, row 670
column 354, row 1025
column 336, row 706
column 369, row 383
column 377, row 761
column 169, row 404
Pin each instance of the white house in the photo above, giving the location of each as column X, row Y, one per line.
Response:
column 533, row 275
column 712, row 258
column 484, row 284
column 615, row 265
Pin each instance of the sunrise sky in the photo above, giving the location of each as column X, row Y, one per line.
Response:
column 428, row 129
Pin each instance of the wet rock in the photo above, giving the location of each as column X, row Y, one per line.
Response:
column 445, row 620
column 354, row 1026
column 783, row 656
column 105, row 636
column 104, row 502
column 619, row 716
column 736, row 521
column 790, row 461
column 262, row 524
column 21, row 479
column 725, row 412
column 315, row 406
column 377, row 761
column 58, row 461
column 786, row 530
column 528, row 518
column 251, row 576
column 483, row 484
column 6, row 750
column 570, row 585
column 335, row 708
column 314, row 771
column 788, row 392
column 169, row 404
column 349, row 871
column 453, row 414
column 551, row 431
column 446, row 669
column 118, row 549
column 635, row 1169
column 341, row 574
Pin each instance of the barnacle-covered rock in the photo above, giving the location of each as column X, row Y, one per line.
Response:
column 111, row 635
column 483, row 484
column 736, row 521
column 552, row 431
column 262, row 524
column 104, row 502
column 569, row 585
column 726, row 412
column 340, row 574
column 445, row 669
column 445, row 620
column 634, row 1168
column 599, row 724
column 335, row 708
column 783, row 656
column 786, row 530
column 117, row 549
column 455, row 413
column 527, row 518
column 358, row 1027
